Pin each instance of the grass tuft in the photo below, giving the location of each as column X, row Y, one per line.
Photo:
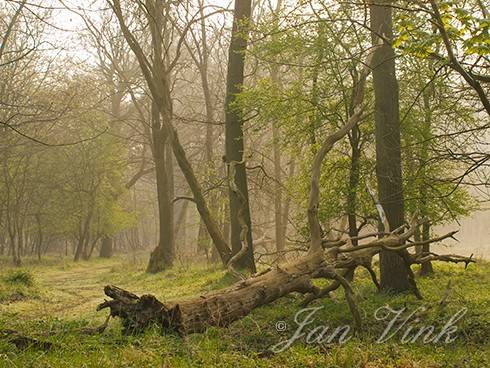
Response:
column 20, row 277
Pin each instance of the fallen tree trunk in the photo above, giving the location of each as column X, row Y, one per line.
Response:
column 216, row 309
column 221, row 308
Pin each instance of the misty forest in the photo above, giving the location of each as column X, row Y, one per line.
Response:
column 267, row 183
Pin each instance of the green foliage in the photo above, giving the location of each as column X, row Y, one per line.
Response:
column 464, row 26
column 307, row 93
column 314, row 99
column 53, row 192
column 431, row 184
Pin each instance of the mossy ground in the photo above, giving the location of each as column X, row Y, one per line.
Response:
column 62, row 297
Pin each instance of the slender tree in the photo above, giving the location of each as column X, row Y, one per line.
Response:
column 394, row 273
column 241, row 224
column 164, row 254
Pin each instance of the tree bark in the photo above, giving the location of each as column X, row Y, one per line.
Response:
column 203, row 238
column 280, row 227
column 181, row 224
column 216, row 309
column 394, row 273
column 228, row 305
column 40, row 238
column 169, row 157
column 83, row 237
column 234, row 146
column 106, row 248
column 354, row 175
column 163, row 255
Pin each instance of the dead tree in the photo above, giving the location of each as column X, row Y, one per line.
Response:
column 331, row 260
column 228, row 305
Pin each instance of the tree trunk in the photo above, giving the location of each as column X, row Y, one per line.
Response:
column 198, row 197
column 181, row 223
column 280, row 218
column 92, row 246
column 163, row 255
column 225, row 306
column 394, row 273
column 278, row 205
column 162, row 113
column 169, row 157
column 278, row 197
column 86, row 250
column 353, row 183
column 287, row 204
column 16, row 257
column 39, row 243
column 83, row 233
column 225, row 226
column 79, row 250
column 203, row 238
column 234, row 146
column 106, row 247
column 216, row 309
column 426, row 267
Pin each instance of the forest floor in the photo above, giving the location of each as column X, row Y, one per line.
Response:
column 52, row 300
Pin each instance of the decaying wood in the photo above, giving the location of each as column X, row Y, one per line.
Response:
column 331, row 260
column 219, row 308
column 228, row 305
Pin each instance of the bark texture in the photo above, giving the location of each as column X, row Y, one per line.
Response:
column 217, row 309
column 234, row 146
column 394, row 274
column 163, row 255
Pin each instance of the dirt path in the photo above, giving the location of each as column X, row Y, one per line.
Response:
column 63, row 293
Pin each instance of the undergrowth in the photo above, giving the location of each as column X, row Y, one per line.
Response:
column 61, row 299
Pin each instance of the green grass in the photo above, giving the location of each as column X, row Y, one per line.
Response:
column 59, row 297
column 17, row 285
column 20, row 277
